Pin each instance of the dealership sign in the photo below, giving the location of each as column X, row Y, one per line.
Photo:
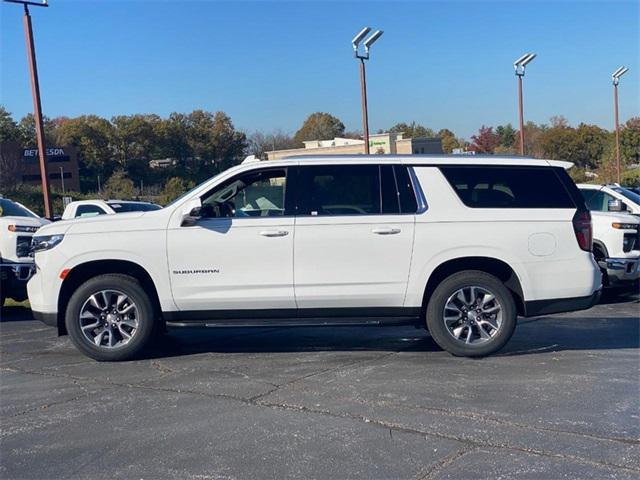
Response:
column 51, row 152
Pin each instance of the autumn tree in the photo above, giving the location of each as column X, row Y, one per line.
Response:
column 449, row 140
column 485, row 141
column 319, row 126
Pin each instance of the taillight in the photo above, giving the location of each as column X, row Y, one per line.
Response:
column 584, row 230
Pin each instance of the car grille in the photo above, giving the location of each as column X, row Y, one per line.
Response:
column 23, row 246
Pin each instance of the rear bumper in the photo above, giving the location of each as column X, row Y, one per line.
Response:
column 558, row 305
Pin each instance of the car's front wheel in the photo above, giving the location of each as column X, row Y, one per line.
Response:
column 110, row 317
column 471, row 314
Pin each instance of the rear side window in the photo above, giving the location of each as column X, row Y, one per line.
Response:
column 89, row 211
column 508, row 187
column 406, row 194
column 340, row 190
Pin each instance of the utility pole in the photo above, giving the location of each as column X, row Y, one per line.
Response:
column 519, row 66
column 616, row 79
column 62, row 179
column 363, row 77
column 37, row 106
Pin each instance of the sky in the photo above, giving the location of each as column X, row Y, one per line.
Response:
column 269, row 64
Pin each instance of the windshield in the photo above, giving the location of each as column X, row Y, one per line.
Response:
column 12, row 209
column 133, row 207
column 634, row 197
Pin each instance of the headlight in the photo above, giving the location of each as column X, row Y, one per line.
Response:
column 45, row 242
column 625, row 226
column 22, row 228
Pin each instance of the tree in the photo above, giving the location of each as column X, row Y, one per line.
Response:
column 260, row 143
column 173, row 188
column 507, row 135
column 92, row 135
column 135, row 141
column 630, row 141
column 485, row 141
column 412, row 130
column 119, row 186
column 9, row 129
column 27, row 127
column 449, row 140
column 319, row 126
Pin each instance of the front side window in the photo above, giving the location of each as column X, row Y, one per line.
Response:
column 508, row 187
column 252, row 194
column 89, row 211
column 596, row 200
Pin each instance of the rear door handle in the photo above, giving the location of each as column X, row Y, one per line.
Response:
column 274, row 233
column 386, row 231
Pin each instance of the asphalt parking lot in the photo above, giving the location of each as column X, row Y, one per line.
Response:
column 562, row 400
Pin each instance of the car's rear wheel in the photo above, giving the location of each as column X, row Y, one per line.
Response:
column 471, row 314
column 110, row 317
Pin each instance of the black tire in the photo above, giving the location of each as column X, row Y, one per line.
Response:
column 436, row 308
column 145, row 318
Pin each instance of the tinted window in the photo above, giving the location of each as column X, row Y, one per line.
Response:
column 89, row 211
column 133, row 207
column 253, row 194
column 12, row 209
column 340, row 190
column 389, row 191
column 508, row 187
column 408, row 202
column 596, row 200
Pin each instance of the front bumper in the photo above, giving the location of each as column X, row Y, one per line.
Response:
column 14, row 277
column 621, row 270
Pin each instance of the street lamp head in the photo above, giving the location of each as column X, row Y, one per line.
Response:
column 615, row 76
column 520, row 64
column 358, row 38
column 371, row 40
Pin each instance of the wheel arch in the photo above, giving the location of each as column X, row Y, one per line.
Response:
column 490, row 265
column 90, row 269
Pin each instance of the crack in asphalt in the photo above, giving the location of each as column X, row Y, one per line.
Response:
column 432, row 471
column 386, row 425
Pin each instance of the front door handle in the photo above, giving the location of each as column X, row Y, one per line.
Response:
column 274, row 233
column 386, row 231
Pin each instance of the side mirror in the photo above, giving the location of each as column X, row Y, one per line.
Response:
column 616, row 206
column 191, row 212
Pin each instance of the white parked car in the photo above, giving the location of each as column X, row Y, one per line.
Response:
column 17, row 226
column 91, row 208
column 458, row 245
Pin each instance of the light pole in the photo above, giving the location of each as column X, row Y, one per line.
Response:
column 519, row 66
column 62, row 179
column 363, row 78
column 615, row 77
column 37, row 106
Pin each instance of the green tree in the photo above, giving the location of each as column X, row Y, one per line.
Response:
column 173, row 188
column 412, row 130
column 319, row 126
column 92, row 135
column 135, row 142
column 630, row 141
column 27, row 126
column 119, row 186
column 507, row 135
column 9, row 129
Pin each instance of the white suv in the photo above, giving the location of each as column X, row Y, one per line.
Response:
column 458, row 245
